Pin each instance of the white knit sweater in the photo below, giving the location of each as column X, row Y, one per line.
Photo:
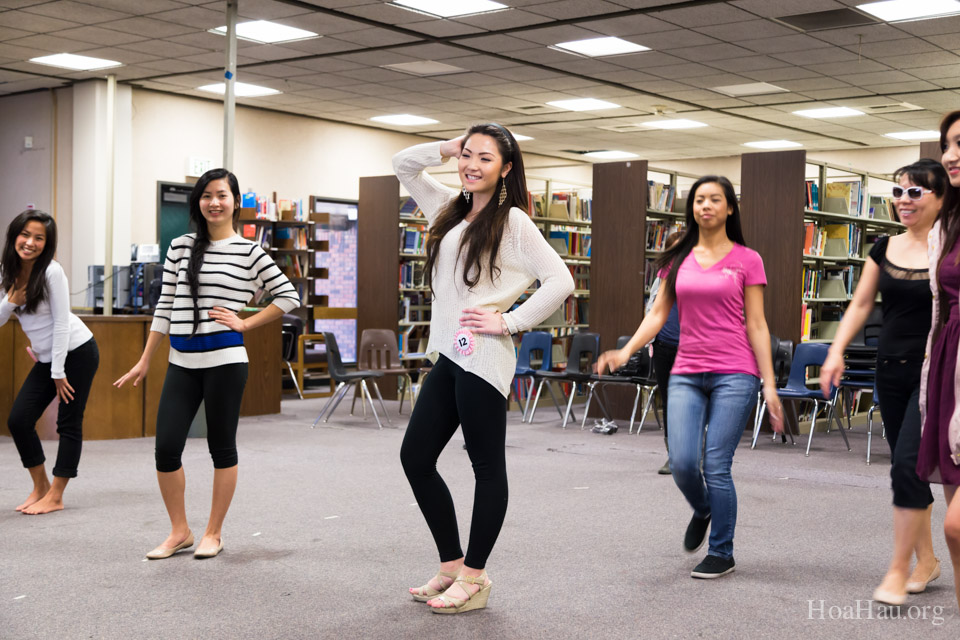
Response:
column 525, row 256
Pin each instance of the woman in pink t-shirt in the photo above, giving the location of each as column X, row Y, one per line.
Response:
column 724, row 352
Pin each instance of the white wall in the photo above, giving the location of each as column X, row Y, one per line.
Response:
column 25, row 174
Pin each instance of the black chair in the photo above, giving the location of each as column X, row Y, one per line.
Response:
column 638, row 373
column 346, row 380
column 782, row 352
column 584, row 349
column 302, row 356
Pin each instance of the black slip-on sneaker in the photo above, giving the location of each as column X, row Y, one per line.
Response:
column 713, row 567
column 696, row 534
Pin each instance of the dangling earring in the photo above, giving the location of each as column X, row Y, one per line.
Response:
column 503, row 193
column 466, row 194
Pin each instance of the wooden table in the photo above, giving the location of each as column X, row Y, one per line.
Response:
column 132, row 412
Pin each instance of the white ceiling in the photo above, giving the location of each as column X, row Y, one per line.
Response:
column 696, row 45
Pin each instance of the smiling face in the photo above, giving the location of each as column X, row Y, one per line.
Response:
column 31, row 241
column 481, row 165
column 710, row 206
column 217, row 204
column 917, row 212
column 951, row 154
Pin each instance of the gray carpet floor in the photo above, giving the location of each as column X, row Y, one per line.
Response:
column 323, row 539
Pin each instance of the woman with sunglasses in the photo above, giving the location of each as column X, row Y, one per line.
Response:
column 898, row 269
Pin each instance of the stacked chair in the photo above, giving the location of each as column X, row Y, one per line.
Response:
column 584, row 349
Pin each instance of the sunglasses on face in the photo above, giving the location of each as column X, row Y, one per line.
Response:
column 913, row 193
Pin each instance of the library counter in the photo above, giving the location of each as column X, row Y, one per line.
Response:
column 131, row 412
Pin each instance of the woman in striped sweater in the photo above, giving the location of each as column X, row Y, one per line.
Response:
column 208, row 277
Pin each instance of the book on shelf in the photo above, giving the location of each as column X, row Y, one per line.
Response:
column 880, row 208
column 412, row 339
column 413, row 241
column 660, row 196
column 806, row 316
column 563, row 205
column 658, row 231
column 813, row 195
column 415, row 307
column 572, row 243
column 814, row 239
column 412, row 274
column 844, row 196
column 409, row 208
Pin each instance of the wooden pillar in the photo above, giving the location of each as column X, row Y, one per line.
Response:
column 378, row 260
column 931, row 150
column 771, row 206
column 617, row 260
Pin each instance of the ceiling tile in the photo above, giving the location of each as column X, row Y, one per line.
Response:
column 674, row 38
column 196, row 17
column 749, row 63
column 710, row 52
column 855, row 35
column 879, row 77
column 495, row 20
column 388, row 13
column 375, row 37
column 924, row 28
column 155, row 28
column 567, row 9
column 704, row 15
column 262, row 9
column 496, row 44
column 49, row 44
column 82, row 13
column 139, row 7
column 33, row 22
column 628, row 26
column 100, row 36
column 320, row 46
column 782, row 44
column 443, row 28
column 947, row 40
column 747, row 30
column 172, row 66
column 918, row 60
column 822, row 55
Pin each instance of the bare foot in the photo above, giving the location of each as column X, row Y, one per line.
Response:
column 46, row 504
column 38, row 492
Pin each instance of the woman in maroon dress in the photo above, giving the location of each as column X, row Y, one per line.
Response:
column 939, row 457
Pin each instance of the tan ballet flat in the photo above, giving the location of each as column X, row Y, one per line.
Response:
column 213, row 553
column 476, row 601
column 160, row 553
column 426, row 592
column 884, row 596
column 920, row 586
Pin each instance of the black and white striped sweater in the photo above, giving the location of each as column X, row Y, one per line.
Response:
column 232, row 272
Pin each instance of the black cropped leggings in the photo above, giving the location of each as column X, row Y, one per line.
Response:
column 898, row 385
column 221, row 390
column 450, row 397
column 35, row 395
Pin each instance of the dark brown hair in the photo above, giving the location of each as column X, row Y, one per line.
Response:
column 11, row 264
column 949, row 217
column 481, row 238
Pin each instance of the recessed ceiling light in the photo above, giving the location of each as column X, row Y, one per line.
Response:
column 914, row 135
column 425, row 68
column 678, row 123
column 403, row 119
column 451, row 8
column 240, row 89
column 519, row 137
column 583, row 104
column 748, row 89
column 895, row 10
column 829, row 112
column 601, row 46
column 75, row 62
column 267, row 32
column 772, row 144
column 610, row 155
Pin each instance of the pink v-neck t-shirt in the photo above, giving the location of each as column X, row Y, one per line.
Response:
column 711, row 302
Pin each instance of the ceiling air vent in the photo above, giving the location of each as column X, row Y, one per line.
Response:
column 890, row 107
column 820, row 20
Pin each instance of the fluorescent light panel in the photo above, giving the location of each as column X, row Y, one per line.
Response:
column 772, row 144
column 748, row 89
column 404, row 119
column 451, row 8
column 267, row 32
column 914, row 135
column 610, row 155
column 75, row 62
column 240, row 89
column 829, row 112
column 897, row 10
column 425, row 68
column 608, row 46
column 583, row 104
column 678, row 123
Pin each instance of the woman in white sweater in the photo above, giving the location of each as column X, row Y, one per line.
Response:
column 208, row 277
column 35, row 289
column 483, row 252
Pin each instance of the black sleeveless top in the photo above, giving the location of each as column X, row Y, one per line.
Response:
column 907, row 307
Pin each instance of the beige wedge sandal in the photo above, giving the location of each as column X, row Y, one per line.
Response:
column 426, row 592
column 476, row 601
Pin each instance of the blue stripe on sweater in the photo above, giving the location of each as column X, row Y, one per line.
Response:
column 207, row 342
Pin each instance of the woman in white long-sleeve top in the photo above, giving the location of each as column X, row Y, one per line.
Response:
column 36, row 290
column 483, row 252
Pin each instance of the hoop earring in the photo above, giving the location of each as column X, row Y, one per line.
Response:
column 503, row 193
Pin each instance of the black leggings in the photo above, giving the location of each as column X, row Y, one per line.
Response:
column 898, row 386
column 664, row 354
column 221, row 390
column 35, row 395
column 450, row 397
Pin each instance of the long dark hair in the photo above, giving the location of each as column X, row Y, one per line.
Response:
column 482, row 236
column 11, row 264
column 925, row 173
column 199, row 224
column 676, row 254
column 950, row 212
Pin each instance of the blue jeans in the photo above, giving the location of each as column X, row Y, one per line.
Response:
column 723, row 401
